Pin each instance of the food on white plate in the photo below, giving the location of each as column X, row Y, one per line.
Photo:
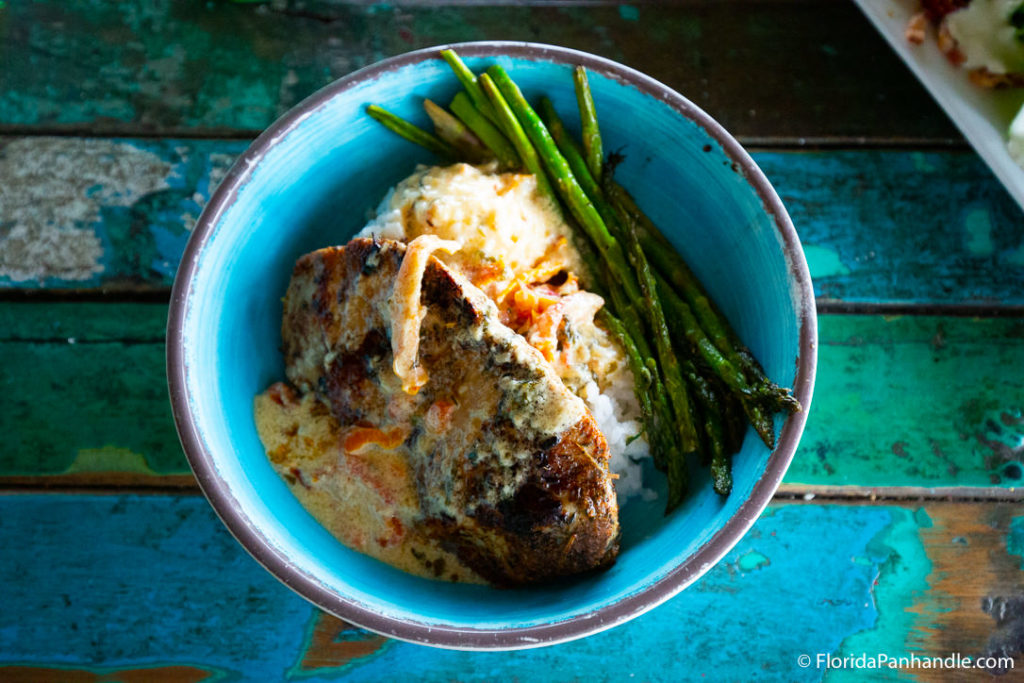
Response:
column 475, row 382
column 1016, row 143
column 984, row 37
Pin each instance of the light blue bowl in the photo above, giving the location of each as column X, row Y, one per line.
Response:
column 310, row 180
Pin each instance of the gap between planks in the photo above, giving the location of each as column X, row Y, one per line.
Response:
column 102, row 483
column 752, row 143
column 858, row 494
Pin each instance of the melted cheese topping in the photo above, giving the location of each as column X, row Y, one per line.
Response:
column 407, row 312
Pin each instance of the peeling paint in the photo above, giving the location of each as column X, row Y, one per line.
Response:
column 331, row 646
column 44, row 251
column 1001, row 432
column 109, row 459
column 1015, row 539
column 53, row 190
column 824, row 262
column 899, row 552
column 752, row 560
column 629, row 12
column 942, row 430
column 978, row 225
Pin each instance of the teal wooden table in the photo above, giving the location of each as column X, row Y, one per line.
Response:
column 898, row 531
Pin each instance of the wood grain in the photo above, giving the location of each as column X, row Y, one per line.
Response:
column 923, row 402
column 783, row 71
column 878, row 226
column 989, row 607
column 807, row 579
column 948, row 572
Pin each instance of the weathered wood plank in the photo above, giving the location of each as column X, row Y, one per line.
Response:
column 950, row 585
column 81, row 399
column 102, row 213
column 909, row 226
column 877, row 226
column 807, row 579
column 925, row 401
column 915, row 401
column 766, row 70
column 88, row 322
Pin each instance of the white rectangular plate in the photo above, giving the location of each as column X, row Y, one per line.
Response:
column 982, row 115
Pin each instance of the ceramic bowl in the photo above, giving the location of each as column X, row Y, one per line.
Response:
column 310, row 181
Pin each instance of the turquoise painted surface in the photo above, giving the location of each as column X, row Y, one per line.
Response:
column 100, row 366
column 915, row 401
column 899, row 553
column 1015, row 539
column 162, row 583
column 898, row 226
column 151, row 66
column 877, row 226
column 85, row 390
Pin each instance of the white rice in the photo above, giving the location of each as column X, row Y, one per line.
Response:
column 386, row 222
column 617, row 414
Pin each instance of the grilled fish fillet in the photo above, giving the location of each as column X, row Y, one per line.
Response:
column 509, row 466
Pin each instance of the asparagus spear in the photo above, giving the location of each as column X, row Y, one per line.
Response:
column 569, row 150
column 411, row 132
column 686, row 325
column 568, row 188
column 719, row 447
column 671, row 267
column 664, row 441
column 493, row 138
column 643, row 380
column 662, row 341
column 588, row 120
column 588, row 216
column 454, row 132
column 469, row 81
column 661, row 437
column 678, row 483
column 734, row 420
column 515, row 132
column 721, row 473
column 712, row 424
column 720, row 330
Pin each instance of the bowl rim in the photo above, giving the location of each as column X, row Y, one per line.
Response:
column 707, row 555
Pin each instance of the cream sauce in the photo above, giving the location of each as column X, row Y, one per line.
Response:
column 360, row 490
